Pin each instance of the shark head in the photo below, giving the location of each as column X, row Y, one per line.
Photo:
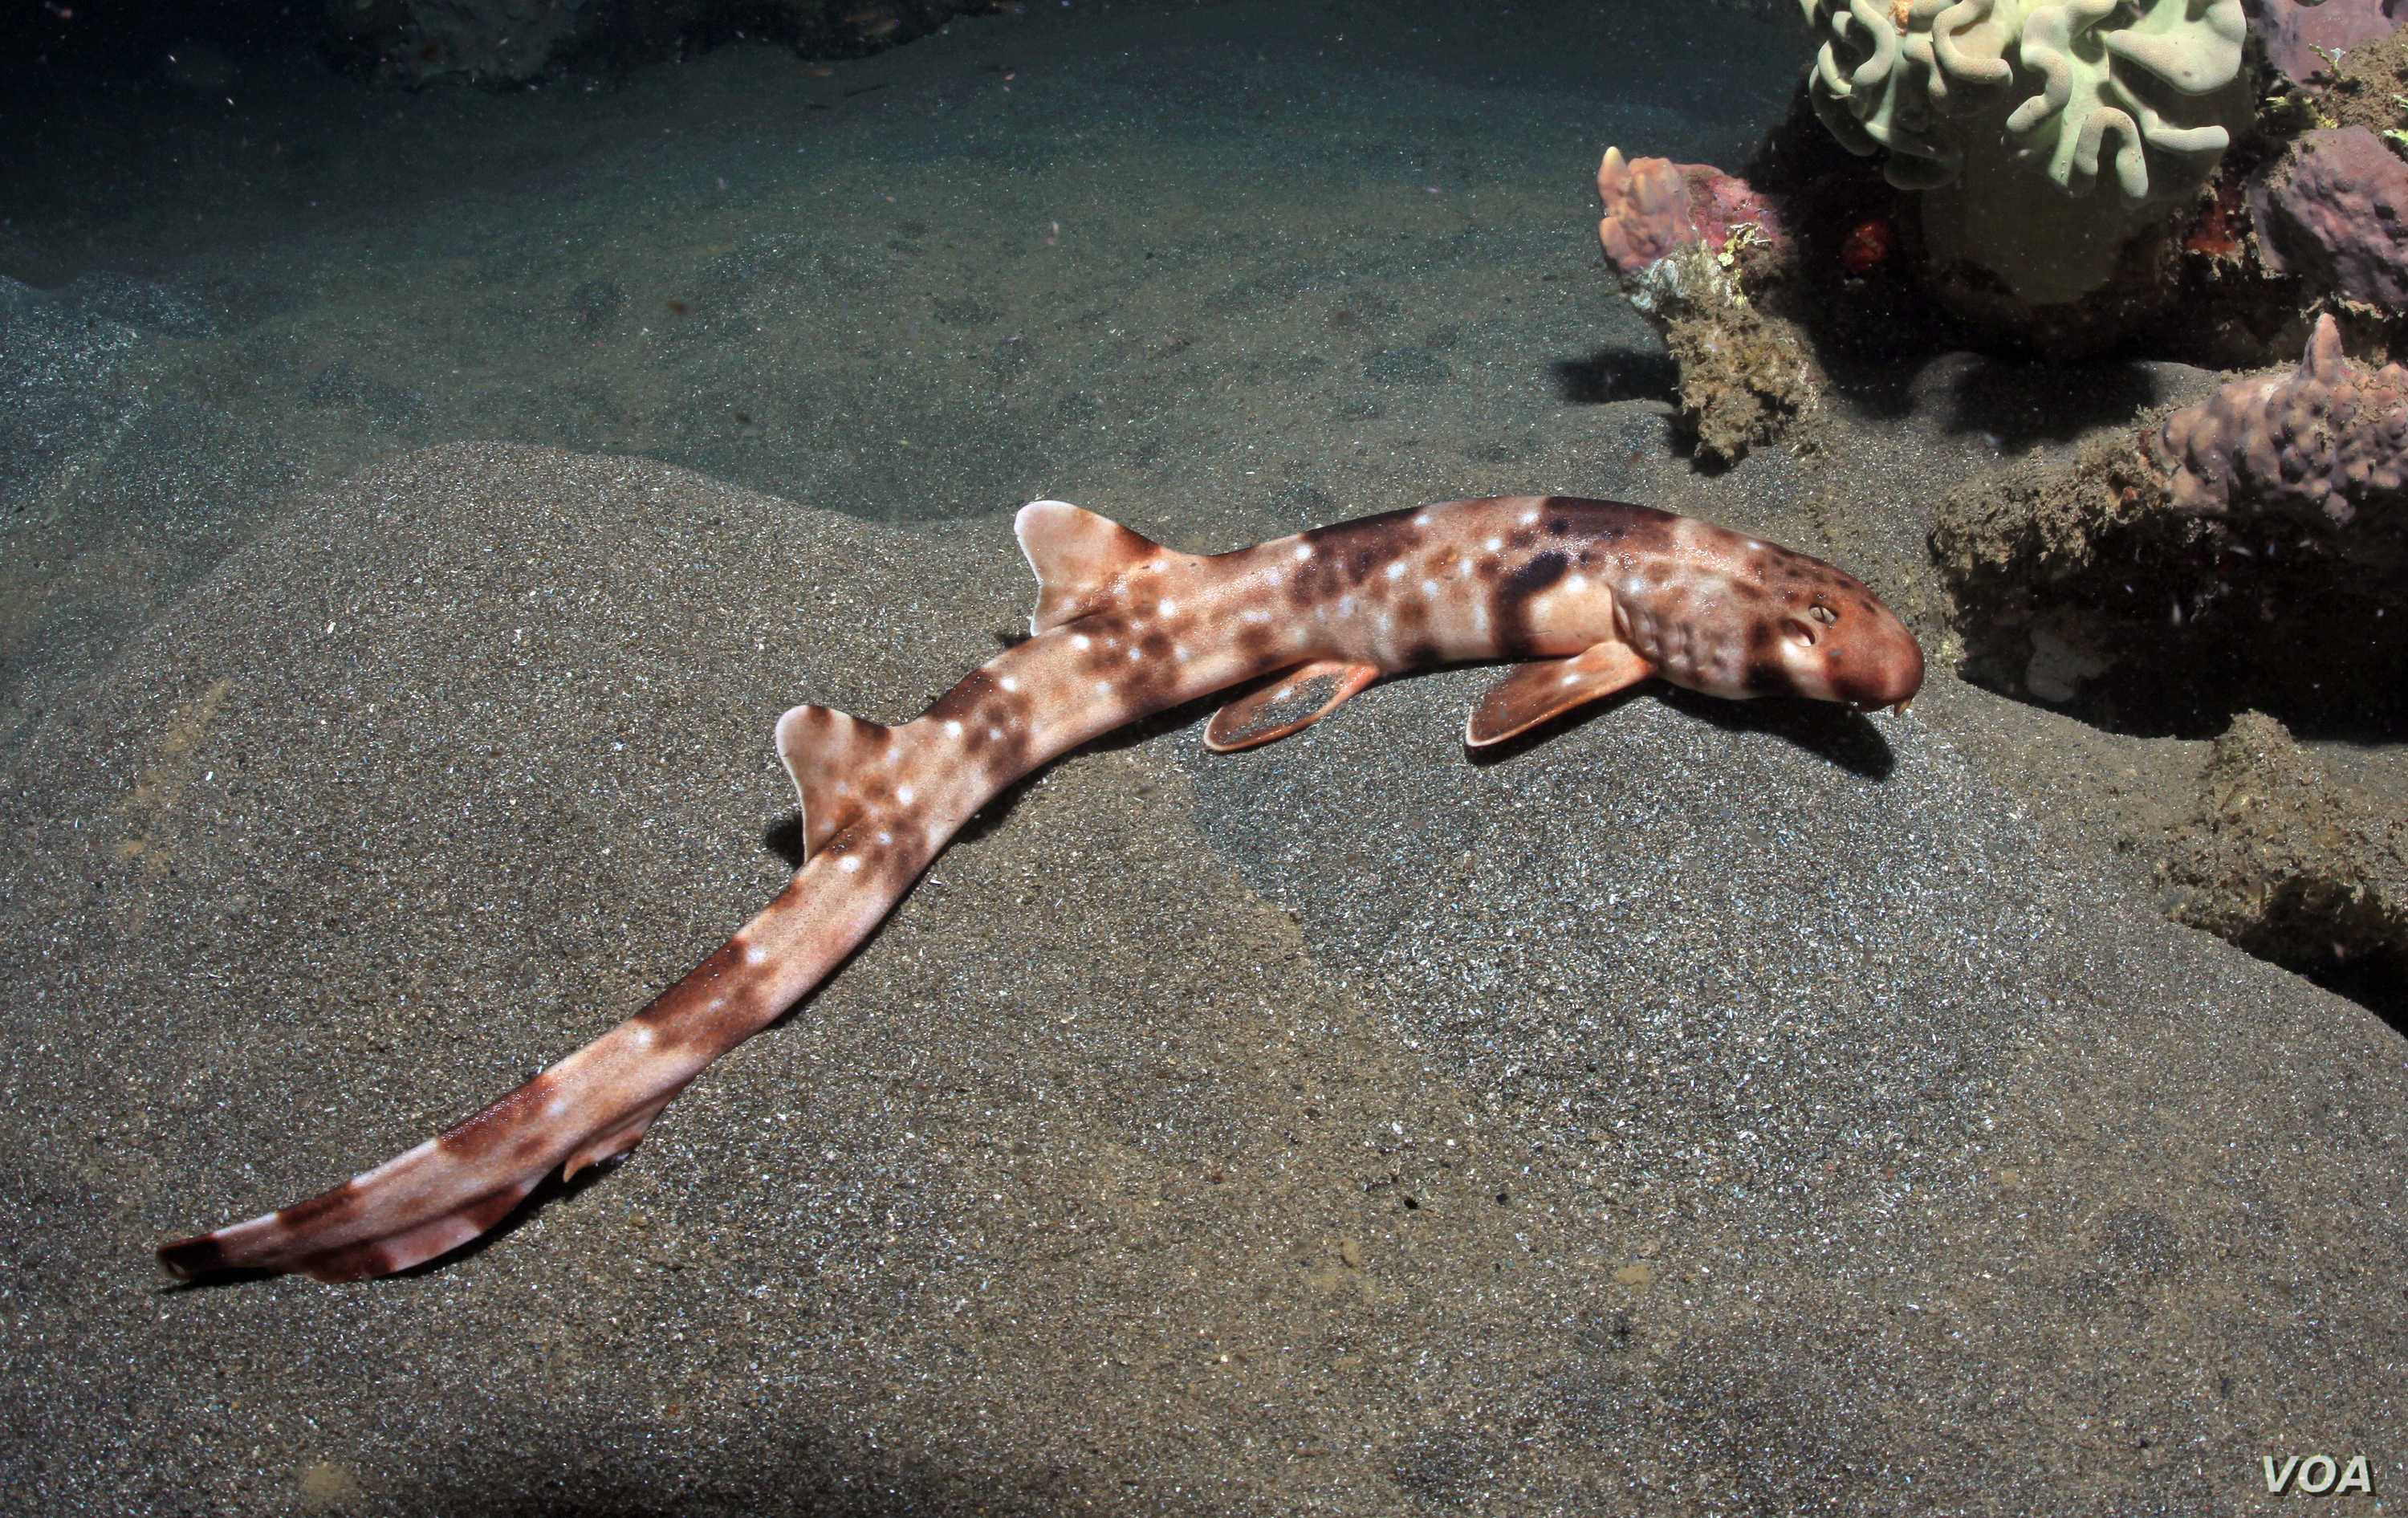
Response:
column 1833, row 640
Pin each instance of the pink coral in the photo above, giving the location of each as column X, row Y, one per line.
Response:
column 1654, row 206
column 2336, row 212
column 2293, row 30
column 2321, row 439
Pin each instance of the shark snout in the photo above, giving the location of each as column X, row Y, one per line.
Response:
column 1883, row 668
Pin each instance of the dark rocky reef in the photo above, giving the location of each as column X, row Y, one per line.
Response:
column 2244, row 552
column 2281, row 859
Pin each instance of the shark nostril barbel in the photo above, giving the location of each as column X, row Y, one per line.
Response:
column 1588, row 597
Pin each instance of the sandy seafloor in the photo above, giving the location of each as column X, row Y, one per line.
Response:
column 418, row 509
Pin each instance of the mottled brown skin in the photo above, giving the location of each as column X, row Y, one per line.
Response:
column 1599, row 594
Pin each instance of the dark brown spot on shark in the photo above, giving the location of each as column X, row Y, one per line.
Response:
column 1348, row 553
column 322, row 1208
column 966, row 694
column 1511, row 603
column 715, row 977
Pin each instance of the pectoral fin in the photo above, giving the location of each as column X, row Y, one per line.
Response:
column 1294, row 700
column 1532, row 692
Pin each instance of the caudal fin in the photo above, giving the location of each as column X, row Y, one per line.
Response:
column 1080, row 559
column 439, row 1195
column 591, row 1107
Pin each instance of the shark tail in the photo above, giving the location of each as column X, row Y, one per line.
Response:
column 593, row 1106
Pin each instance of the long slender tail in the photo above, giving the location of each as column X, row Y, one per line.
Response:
column 597, row 1103
column 591, row 1107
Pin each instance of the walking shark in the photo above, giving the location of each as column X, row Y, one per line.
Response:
column 1592, row 596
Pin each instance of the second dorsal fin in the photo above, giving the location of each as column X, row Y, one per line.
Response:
column 1079, row 558
column 834, row 760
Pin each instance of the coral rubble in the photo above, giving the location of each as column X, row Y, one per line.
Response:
column 1687, row 241
column 2290, row 865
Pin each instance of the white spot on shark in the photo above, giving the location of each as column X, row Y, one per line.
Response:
column 1303, row 552
column 953, row 729
column 755, row 954
column 850, row 864
column 1530, row 518
column 1080, row 640
column 1576, row 582
column 1104, row 688
column 1396, row 571
column 1346, row 606
column 1009, row 683
column 1495, row 544
column 903, row 794
column 640, row 1035
column 1169, row 608
column 1430, row 587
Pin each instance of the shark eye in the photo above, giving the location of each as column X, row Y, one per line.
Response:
column 1822, row 614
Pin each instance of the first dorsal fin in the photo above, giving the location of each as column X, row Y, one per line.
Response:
column 834, row 760
column 1078, row 557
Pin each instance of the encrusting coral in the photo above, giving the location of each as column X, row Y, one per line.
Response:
column 2318, row 442
column 2250, row 549
column 2009, row 115
column 2333, row 212
column 1685, row 238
